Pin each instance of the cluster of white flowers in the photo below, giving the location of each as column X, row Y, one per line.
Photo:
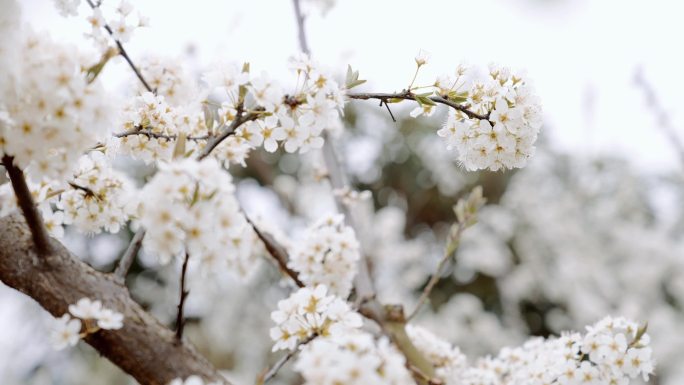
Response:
column 192, row 380
column 157, row 126
column 118, row 17
column 447, row 360
column 505, row 137
column 169, row 79
column 296, row 119
column 88, row 315
column 328, row 255
column 49, row 113
column 612, row 352
column 190, row 207
column 311, row 312
column 98, row 197
column 352, row 358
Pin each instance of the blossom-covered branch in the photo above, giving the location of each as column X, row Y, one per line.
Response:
column 122, row 50
column 144, row 348
column 408, row 95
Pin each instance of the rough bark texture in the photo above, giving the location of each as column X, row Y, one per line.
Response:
column 143, row 348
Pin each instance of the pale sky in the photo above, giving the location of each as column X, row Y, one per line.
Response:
column 580, row 54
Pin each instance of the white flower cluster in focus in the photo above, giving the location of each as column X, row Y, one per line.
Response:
column 328, row 255
column 352, row 358
column 505, row 138
column 49, row 113
column 190, row 207
column 612, row 352
column 311, row 312
column 88, row 315
column 98, row 197
column 157, row 126
column 296, row 120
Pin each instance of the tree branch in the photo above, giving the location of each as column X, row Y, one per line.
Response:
column 143, row 348
column 301, row 31
column 663, row 118
column 155, row 135
column 338, row 179
column 408, row 95
column 180, row 322
column 278, row 253
column 122, row 52
column 283, row 360
column 240, row 119
column 129, row 255
column 41, row 239
column 437, row 275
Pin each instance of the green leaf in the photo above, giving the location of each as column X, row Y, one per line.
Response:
column 94, row 71
column 424, row 100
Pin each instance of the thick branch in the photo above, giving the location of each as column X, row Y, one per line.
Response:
column 143, row 348
column 41, row 239
column 406, row 95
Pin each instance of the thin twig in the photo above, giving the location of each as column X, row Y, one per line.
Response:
column 437, row 275
column 663, row 118
column 278, row 253
column 240, row 119
column 283, row 360
column 88, row 192
column 363, row 283
column 155, row 135
column 180, row 322
column 388, row 109
column 122, row 52
column 301, row 31
column 34, row 220
column 129, row 255
column 408, row 95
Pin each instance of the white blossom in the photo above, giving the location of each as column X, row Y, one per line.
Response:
column 65, row 332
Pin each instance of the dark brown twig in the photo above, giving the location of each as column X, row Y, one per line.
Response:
column 155, row 135
column 180, row 322
column 407, row 95
column 34, row 220
column 278, row 253
column 388, row 109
